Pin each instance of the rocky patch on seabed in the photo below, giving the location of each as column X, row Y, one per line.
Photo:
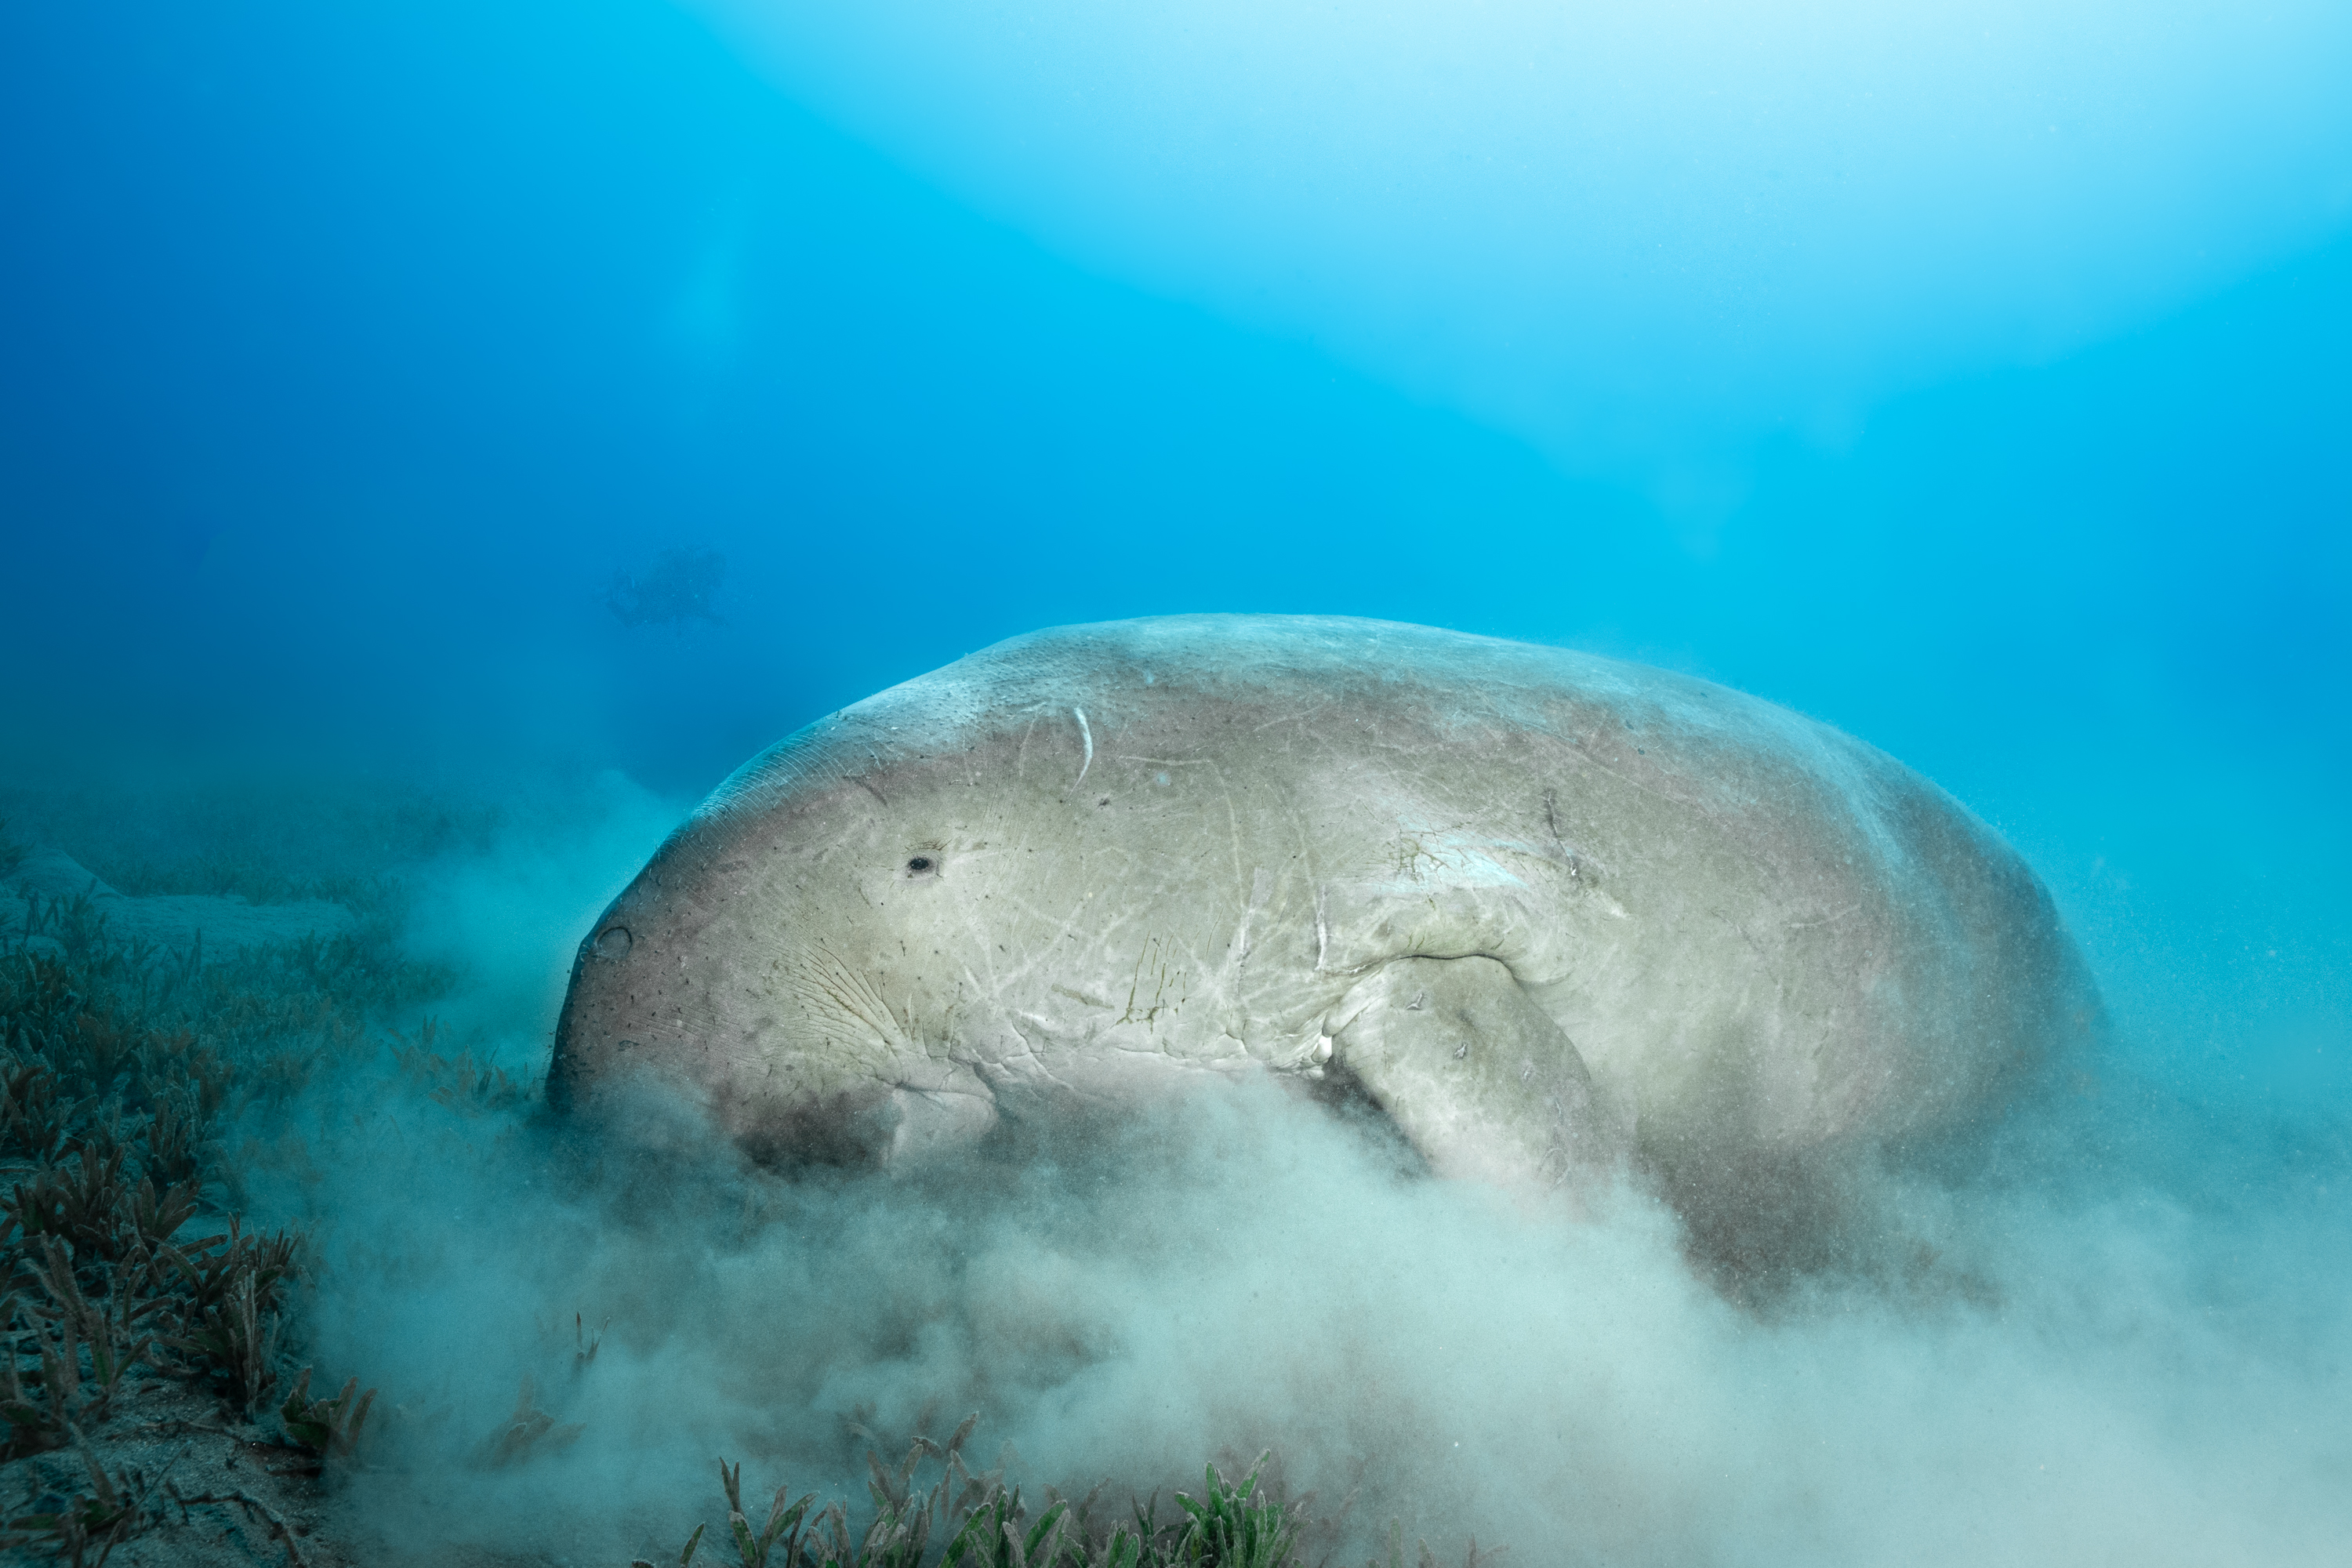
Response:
column 48, row 884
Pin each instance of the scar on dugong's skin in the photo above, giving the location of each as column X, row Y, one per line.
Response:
column 1545, row 909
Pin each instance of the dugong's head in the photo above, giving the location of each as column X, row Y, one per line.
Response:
column 886, row 929
column 781, row 959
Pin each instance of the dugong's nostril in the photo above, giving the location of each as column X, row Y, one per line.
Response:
column 614, row 942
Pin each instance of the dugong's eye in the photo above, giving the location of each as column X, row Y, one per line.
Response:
column 921, row 866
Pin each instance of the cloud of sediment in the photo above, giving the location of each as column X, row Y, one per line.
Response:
column 1625, row 231
column 2142, row 1362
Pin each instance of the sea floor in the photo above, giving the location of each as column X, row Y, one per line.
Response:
column 332, row 1287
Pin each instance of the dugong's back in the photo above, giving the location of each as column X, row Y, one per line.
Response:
column 1489, row 879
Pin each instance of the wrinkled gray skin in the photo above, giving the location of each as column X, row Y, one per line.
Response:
column 1545, row 909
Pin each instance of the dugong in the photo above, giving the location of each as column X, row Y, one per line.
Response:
column 1545, row 910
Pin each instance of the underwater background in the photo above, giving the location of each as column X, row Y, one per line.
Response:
column 549, row 406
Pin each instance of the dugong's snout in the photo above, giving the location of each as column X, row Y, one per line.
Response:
column 630, row 1040
column 656, row 1013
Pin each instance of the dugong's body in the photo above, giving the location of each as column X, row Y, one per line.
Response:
column 1542, row 905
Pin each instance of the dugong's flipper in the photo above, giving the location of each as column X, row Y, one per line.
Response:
column 1455, row 1052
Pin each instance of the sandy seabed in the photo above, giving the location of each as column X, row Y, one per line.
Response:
column 2120, row 1338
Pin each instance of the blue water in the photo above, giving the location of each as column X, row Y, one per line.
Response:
column 347, row 354
column 346, row 357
